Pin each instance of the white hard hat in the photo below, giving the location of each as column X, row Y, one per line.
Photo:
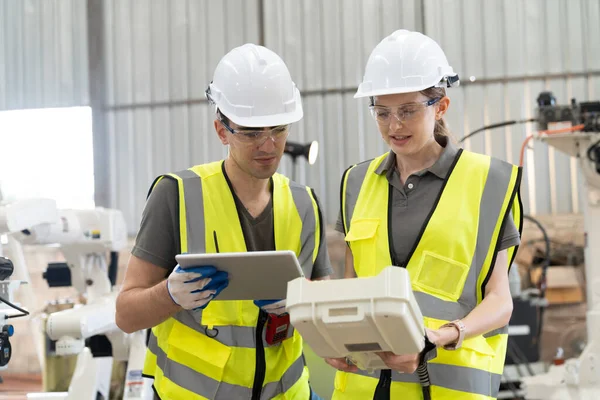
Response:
column 406, row 62
column 252, row 87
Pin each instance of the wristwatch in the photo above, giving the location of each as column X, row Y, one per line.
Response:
column 458, row 324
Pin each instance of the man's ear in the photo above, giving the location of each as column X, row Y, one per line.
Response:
column 221, row 132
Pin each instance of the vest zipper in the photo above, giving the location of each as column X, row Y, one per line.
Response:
column 261, row 365
column 382, row 391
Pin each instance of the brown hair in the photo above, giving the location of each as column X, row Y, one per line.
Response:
column 441, row 129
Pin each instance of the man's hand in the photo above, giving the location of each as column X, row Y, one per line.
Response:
column 341, row 364
column 276, row 307
column 195, row 287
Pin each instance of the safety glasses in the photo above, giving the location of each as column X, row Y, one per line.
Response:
column 403, row 113
column 258, row 136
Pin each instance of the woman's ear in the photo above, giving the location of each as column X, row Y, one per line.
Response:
column 442, row 107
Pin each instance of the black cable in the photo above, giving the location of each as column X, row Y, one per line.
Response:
column 523, row 357
column 514, row 390
column 25, row 313
column 516, row 359
column 422, row 371
column 497, row 125
column 547, row 258
column 593, row 154
column 590, row 154
column 545, row 265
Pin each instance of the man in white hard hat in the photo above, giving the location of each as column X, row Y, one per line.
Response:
column 200, row 347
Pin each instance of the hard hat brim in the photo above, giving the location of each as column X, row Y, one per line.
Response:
column 383, row 92
column 267, row 120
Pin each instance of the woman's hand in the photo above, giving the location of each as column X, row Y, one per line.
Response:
column 408, row 363
column 341, row 364
column 443, row 336
column 404, row 363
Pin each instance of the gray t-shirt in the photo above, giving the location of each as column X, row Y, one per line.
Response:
column 158, row 239
column 413, row 201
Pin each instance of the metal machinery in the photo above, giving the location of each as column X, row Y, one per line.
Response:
column 85, row 238
column 14, row 218
column 575, row 130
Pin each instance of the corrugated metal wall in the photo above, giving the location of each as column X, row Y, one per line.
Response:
column 325, row 44
column 160, row 54
column 43, row 54
column 161, row 58
column 514, row 50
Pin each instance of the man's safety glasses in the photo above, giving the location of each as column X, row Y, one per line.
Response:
column 258, row 136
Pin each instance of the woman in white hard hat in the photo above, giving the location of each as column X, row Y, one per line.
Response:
column 451, row 217
column 202, row 347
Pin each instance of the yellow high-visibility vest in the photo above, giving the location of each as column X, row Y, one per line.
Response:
column 449, row 267
column 214, row 353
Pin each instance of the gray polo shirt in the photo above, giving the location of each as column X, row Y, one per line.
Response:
column 413, row 201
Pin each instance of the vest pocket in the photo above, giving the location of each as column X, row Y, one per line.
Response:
column 225, row 313
column 479, row 345
column 362, row 239
column 191, row 349
column 441, row 276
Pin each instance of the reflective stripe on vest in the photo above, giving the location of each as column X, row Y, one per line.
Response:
column 472, row 381
column 193, row 351
column 185, row 377
column 450, row 263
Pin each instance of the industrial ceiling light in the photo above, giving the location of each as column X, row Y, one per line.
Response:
column 295, row 150
column 310, row 150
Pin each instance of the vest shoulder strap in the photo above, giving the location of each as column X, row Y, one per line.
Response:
column 351, row 183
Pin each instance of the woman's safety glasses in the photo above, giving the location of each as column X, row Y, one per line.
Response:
column 403, row 113
column 258, row 136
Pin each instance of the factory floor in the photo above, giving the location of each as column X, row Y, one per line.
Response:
column 16, row 386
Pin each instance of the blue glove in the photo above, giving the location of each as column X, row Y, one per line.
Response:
column 276, row 307
column 195, row 287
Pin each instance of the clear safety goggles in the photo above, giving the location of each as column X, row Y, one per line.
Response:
column 258, row 136
column 403, row 113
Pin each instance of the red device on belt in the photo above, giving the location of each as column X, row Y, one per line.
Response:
column 277, row 328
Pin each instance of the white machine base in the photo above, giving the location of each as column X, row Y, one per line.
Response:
column 356, row 318
column 91, row 376
column 136, row 387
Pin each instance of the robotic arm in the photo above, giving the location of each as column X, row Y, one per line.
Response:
column 577, row 379
column 85, row 238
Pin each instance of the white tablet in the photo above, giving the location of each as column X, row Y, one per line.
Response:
column 255, row 275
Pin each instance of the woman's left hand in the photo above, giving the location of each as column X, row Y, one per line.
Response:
column 409, row 363
column 404, row 363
